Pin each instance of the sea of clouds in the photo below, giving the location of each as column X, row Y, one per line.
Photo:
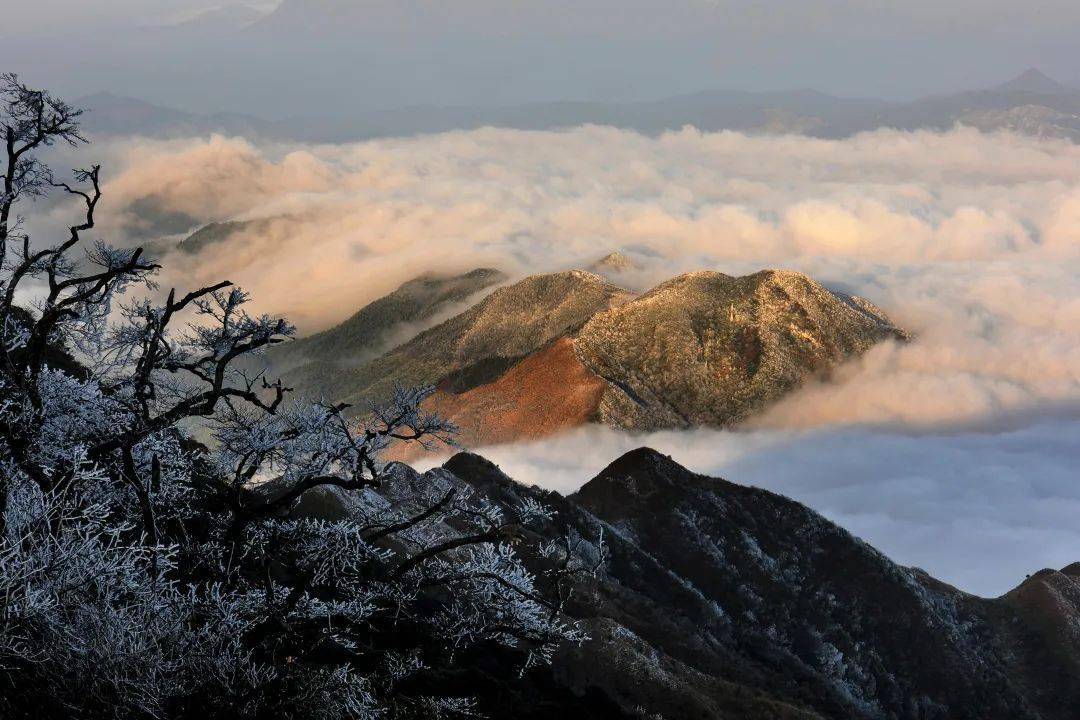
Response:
column 956, row 452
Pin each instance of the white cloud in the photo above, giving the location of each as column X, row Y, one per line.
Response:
column 971, row 241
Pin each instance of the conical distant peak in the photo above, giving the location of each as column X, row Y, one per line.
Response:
column 614, row 262
column 1033, row 80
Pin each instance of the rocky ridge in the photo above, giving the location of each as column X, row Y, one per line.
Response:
column 381, row 325
column 718, row 600
column 480, row 344
column 554, row 351
column 711, row 349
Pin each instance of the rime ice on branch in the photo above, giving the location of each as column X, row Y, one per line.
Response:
column 143, row 575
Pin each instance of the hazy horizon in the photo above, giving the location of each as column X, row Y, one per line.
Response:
column 321, row 57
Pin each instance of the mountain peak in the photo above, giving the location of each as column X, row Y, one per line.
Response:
column 1072, row 570
column 615, row 262
column 638, row 459
column 432, row 278
column 555, row 287
column 706, row 348
column 639, row 476
column 1035, row 81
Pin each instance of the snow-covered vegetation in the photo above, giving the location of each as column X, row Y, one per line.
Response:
column 144, row 574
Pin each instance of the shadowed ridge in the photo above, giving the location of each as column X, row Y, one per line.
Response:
column 657, row 642
column 635, row 476
column 312, row 364
column 780, row 570
column 414, row 300
column 1072, row 570
column 642, row 457
column 722, row 600
column 1047, row 636
column 478, row 471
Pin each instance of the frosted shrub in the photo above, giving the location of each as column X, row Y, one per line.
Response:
column 143, row 575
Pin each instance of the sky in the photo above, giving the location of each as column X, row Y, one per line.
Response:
column 321, row 57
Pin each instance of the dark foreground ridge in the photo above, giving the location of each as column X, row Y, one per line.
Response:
column 724, row 601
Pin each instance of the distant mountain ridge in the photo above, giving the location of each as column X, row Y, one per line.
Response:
column 111, row 115
column 1045, row 108
column 1036, row 82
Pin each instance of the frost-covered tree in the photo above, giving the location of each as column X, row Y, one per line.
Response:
column 143, row 574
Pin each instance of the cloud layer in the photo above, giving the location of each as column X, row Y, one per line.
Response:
column 971, row 241
column 979, row 510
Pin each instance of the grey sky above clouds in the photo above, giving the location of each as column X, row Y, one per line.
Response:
column 316, row 56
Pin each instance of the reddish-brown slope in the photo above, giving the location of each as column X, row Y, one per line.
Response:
column 546, row 392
